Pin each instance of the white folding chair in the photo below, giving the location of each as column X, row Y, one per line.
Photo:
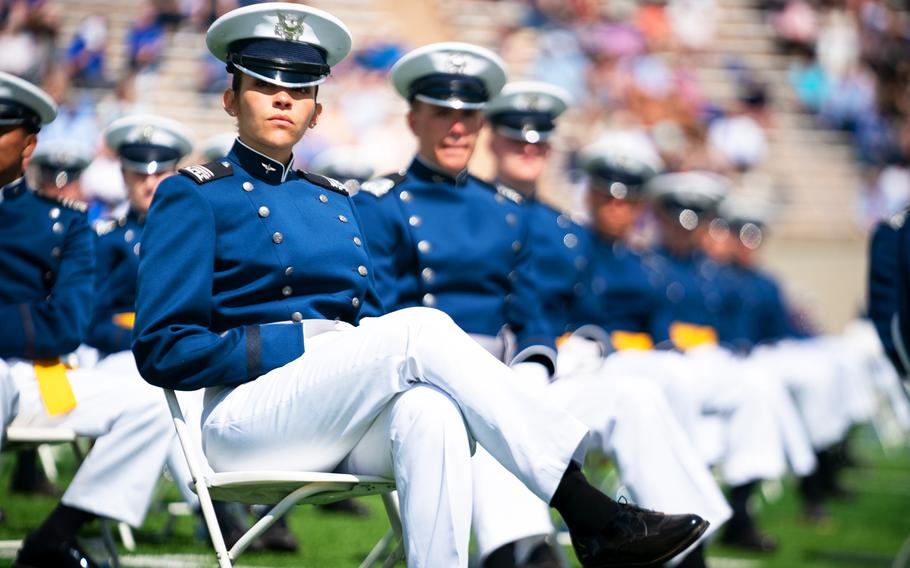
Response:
column 23, row 437
column 282, row 489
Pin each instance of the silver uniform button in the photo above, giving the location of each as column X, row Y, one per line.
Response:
column 264, row 211
column 355, row 302
column 424, row 246
column 55, row 252
column 499, row 198
column 128, row 235
column 516, row 246
column 414, row 221
column 57, row 228
column 277, row 238
column 429, row 300
column 225, row 164
column 289, row 270
column 511, row 219
column 323, row 198
column 513, row 275
column 247, row 186
column 136, row 249
column 427, row 274
column 405, row 196
column 296, row 317
column 362, row 270
column 54, row 213
column 286, row 291
column 357, row 241
column 570, row 240
column 342, row 218
column 563, row 222
column 508, row 298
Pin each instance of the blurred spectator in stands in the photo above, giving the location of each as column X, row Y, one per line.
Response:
column 85, row 54
column 651, row 19
column 837, row 45
column 213, row 77
column 76, row 118
column 28, row 31
column 204, row 12
column 694, row 23
column 120, row 101
column 145, row 39
column 807, row 78
column 169, row 14
column 796, row 26
column 739, row 137
column 849, row 98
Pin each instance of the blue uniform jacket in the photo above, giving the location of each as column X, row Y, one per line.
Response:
column 235, row 253
column 559, row 248
column 621, row 294
column 457, row 244
column 116, row 266
column 45, row 274
column 690, row 290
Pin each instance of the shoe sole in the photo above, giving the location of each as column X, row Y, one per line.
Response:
column 692, row 537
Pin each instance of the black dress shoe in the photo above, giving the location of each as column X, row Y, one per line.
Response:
column 34, row 554
column 278, row 538
column 543, row 556
column 638, row 537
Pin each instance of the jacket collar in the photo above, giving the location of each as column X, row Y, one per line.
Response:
column 258, row 164
column 422, row 169
column 13, row 189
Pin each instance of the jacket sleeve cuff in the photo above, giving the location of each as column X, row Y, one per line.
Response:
column 270, row 346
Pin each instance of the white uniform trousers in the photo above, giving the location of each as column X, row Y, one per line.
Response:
column 397, row 395
column 631, row 421
column 736, row 418
column 9, row 399
column 132, row 432
column 123, row 365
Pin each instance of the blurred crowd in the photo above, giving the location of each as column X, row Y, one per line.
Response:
column 628, row 63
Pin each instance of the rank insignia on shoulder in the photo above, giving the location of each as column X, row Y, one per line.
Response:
column 105, row 226
column 204, row 173
column 509, row 193
column 324, row 181
column 69, row 203
column 381, row 186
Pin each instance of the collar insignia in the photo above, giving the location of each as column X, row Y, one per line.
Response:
column 268, row 168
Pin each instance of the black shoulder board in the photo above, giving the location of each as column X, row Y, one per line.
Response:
column 211, row 171
column 323, row 181
column 69, row 203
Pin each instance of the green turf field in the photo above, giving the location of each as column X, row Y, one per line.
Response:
column 866, row 531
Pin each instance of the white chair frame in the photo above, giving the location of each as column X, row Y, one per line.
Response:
column 18, row 437
column 283, row 490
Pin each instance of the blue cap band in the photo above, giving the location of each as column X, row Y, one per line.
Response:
column 284, row 62
column 13, row 112
column 446, row 86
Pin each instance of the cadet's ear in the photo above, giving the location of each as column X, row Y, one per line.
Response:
column 317, row 112
column 229, row 101
column 30, row 144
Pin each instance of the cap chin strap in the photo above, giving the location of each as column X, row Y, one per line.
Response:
column 453, row 103
column 261, row 77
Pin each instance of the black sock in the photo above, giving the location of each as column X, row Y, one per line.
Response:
column 585, row 510
column 27, row 476
column 502, row 557
column 812, row 486
column 739, row 502
column 63, row 524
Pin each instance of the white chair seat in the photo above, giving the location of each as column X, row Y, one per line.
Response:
column 29, row 435
column 270, row 487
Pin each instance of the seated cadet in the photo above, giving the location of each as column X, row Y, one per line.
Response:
column 255, row 284
column 622, row 411
column 45, row 304
column 58, row 165
column 55, row 167
column 830, row 375
column 624, row 302
column 149, row 148
column 882, row 283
